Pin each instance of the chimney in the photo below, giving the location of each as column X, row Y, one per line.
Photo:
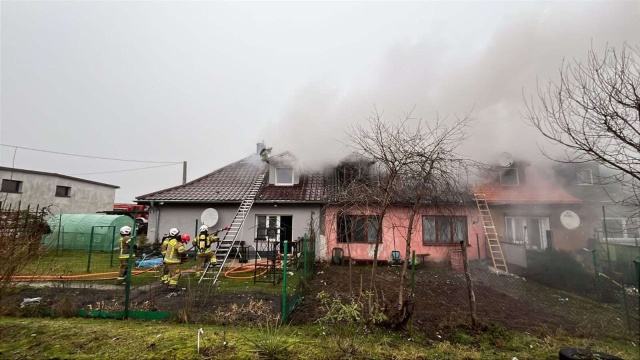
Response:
column 259, row 147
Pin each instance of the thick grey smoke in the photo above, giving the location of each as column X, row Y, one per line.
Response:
column 440, row 78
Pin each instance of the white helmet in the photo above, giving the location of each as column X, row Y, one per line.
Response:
column 125, row 230
column 204, row 228
column 174, row 232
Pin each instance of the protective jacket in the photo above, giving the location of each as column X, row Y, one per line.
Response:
column 174, row 249
column 125, row 243
column 203, row 242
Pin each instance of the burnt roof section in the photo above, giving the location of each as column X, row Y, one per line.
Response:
column 25, row 171
column 310, row 188
column 232, row 182
column 229, row 183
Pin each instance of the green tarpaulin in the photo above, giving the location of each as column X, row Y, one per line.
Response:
column 73, row 231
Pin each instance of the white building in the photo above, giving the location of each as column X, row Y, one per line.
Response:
column 65, row 194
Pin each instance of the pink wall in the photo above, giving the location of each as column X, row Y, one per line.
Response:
column 395, row 225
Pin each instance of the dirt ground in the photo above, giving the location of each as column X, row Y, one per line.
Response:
column 441, row 300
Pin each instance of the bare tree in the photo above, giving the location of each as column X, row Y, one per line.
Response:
column 593, row 110
column 416, row 167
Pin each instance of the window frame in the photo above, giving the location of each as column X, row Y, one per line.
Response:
column 502, row 171
column 590, row 177
column 67, row 193
column 277, row 183
column 625, row 225
column 544, row 223
column 452, row 229
column 266, row 236
column 346, row 239
column 19, row 184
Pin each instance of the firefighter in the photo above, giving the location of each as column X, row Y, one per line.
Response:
column 125, row 243
column 165, row 269
column 172, row 258
column 202, row 244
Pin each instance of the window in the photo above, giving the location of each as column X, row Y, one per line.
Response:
column 274, row 227
column 528, row 231
column 358, row 228
column 284, row 176
column 444, row 229
column 63, row 191
column 584, row 177
column 621, row 230
column 509, row 177
column 11, row 186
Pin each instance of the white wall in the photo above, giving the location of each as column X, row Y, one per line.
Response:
column 40, row 190
column 183, row 217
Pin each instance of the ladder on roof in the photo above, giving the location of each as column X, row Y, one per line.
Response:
column 231, row 237
column 490, row 233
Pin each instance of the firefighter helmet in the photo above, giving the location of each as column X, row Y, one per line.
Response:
column 174, row 232
column 125, row 230
column 204, row 228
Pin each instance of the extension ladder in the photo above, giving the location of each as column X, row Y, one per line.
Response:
column 490, row 233
column 229, row 241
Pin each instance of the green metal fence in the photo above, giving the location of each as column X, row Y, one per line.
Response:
column 297, row 270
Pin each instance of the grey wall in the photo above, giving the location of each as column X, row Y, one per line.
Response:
column 184, row 216
column 514, row 254
column 40, row 190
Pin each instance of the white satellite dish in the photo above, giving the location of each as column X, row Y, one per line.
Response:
column 209, row 217
column 505, row 159
column 570, row 219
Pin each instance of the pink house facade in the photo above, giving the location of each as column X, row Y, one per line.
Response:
column 436, row 235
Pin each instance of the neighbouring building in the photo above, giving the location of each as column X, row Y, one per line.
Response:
column 353, row 230
column 287, row 200
column 64, row 194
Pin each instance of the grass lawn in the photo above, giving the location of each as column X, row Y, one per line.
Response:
column 37, row 338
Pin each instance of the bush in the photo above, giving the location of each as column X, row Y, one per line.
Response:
column 561, row 270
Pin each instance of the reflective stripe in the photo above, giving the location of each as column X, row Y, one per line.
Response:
column 174, row 248
column 124, row 254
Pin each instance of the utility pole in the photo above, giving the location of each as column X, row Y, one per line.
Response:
column 184, row 172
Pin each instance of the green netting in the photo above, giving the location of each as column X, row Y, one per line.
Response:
column 73, row 231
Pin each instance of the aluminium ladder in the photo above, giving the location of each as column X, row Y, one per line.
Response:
column 231, row 237
column 490, row 233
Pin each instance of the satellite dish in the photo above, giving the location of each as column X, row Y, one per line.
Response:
column 570, row 219
column 209, row 217
column 505, row 159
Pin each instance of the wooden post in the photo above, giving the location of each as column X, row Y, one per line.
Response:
column 472, row 296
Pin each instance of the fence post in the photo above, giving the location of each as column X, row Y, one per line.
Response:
column 90, row 247
column 113, row 241
column 467, row 275
column 59, row 230
column 606, row 238
column 595, row 269
column 304, row 251
column 284, row 283
column 413, row 271
column 127, row 286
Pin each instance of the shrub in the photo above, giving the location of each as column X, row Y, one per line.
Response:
column 561, row 270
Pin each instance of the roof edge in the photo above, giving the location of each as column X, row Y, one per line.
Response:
column 58, row 175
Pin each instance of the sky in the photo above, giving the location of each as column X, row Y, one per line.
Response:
column 203, row 82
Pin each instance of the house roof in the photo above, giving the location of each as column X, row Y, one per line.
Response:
column 232, row 182
column 536, row 190
column 229, row 183
column 310, row 188
column 25, row 171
